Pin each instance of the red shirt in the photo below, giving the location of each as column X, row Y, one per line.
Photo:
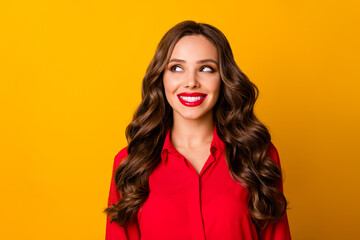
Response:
column 184, row 205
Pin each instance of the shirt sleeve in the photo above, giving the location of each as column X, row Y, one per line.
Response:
column 113, row 230
column 279, row 230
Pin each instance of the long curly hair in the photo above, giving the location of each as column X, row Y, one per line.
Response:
column 246, row 138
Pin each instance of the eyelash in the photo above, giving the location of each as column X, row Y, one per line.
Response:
column 212, row 69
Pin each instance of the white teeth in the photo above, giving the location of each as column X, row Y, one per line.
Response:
column 191, row 99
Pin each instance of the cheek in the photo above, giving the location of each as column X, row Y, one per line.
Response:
column 169, row 88
column 169, row 85
column 215, row 86
column 216, row 90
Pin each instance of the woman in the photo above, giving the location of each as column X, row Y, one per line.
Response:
column 198, row 165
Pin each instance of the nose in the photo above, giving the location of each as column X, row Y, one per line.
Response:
column 191, row 80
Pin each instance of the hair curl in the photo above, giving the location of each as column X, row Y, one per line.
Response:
column 245, row 137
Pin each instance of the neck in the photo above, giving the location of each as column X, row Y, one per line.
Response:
column 189, row 133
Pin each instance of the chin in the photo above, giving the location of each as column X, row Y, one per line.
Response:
column 193, row 116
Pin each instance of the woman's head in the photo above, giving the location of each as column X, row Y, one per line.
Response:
column 191, row 79
column 232, row 80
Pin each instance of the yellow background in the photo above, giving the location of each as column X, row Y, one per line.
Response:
column 71, row 73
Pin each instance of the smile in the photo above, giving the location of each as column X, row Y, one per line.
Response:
column 192, row 101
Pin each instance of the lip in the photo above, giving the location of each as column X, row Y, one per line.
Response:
column 191, row 94
column 191, row 104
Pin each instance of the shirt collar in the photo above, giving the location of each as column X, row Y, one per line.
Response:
column 216, row 143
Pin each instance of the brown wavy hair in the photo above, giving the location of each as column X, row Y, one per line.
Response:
column 246, row 139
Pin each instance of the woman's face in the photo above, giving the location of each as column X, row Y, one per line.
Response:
column 192, row 78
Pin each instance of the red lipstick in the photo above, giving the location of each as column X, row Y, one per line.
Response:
column 191, row 99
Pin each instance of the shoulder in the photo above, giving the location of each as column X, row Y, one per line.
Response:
column 121, row 155
column 273, row 153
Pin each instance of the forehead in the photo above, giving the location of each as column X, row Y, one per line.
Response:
column 194, row 47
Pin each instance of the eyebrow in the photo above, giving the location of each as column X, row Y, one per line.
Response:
column 200, row 61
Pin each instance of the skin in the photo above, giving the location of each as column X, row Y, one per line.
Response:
column 192, row 131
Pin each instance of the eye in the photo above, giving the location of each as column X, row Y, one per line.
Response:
column 174, row 67
column 207, row 67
